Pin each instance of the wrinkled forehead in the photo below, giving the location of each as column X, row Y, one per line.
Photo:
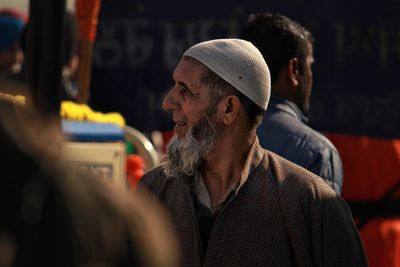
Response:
column 191, row 67
column 188, row 64
column 196, row 64
column 189, row 72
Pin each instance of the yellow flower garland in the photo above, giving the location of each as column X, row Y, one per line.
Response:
column 75, row 111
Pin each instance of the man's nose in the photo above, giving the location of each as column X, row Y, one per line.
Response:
column 170, row 101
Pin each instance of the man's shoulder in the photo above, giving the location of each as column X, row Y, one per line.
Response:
column 277, row 124
column 298, row 189
column 293, row 131
column 294, row 180
column 153, row 178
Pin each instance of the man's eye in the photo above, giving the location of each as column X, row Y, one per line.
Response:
column 184, row 91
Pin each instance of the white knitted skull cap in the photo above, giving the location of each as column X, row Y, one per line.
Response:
column 239, row 63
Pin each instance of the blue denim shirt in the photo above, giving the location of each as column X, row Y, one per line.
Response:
column 284, row 131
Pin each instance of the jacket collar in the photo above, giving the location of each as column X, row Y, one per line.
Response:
column 279, row 104
column 254, row 159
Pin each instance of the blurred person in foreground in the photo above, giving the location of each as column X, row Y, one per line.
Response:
column 288, row 48
column 54, row 215
column 234, row 203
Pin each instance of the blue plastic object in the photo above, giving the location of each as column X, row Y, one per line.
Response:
column 91, row 132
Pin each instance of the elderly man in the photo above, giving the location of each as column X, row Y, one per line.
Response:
column 232, row 202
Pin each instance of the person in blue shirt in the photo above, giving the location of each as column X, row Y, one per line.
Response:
column 11, row 55
column 11, row 26
column 287, row 46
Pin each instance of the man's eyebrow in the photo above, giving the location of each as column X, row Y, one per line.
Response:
column 183, row 84
column 187, row 87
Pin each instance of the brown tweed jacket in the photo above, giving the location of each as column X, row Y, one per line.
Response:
column 282, row 216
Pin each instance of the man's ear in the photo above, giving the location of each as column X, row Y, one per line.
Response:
column 230, row 106
column 293, row 71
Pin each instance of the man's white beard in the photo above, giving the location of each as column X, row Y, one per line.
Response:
column 184, row 156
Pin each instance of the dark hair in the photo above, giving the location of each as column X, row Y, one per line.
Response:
column 279, row 39
column 55, row 215
column 221, row 88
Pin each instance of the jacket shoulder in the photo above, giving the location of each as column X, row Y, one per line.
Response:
column 295, row 181
column 314, row 214
column 153, row 179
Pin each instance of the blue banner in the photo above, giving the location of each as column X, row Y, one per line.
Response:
column 357, row 52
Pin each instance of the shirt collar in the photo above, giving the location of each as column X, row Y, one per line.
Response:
column 253, row 160
column 278, row 103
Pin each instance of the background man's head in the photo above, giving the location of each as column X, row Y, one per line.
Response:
column 208, row 74
column 288, row 48
column 11, row 27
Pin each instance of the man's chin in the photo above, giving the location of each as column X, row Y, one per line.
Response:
column 175, row 139
column 181, row 131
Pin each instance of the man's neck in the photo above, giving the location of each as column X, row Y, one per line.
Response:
column 223, row 167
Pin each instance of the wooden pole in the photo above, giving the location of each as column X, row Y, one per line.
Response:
column 87, row 13
column 85, row 71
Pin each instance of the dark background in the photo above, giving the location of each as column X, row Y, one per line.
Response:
column 357, row 50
